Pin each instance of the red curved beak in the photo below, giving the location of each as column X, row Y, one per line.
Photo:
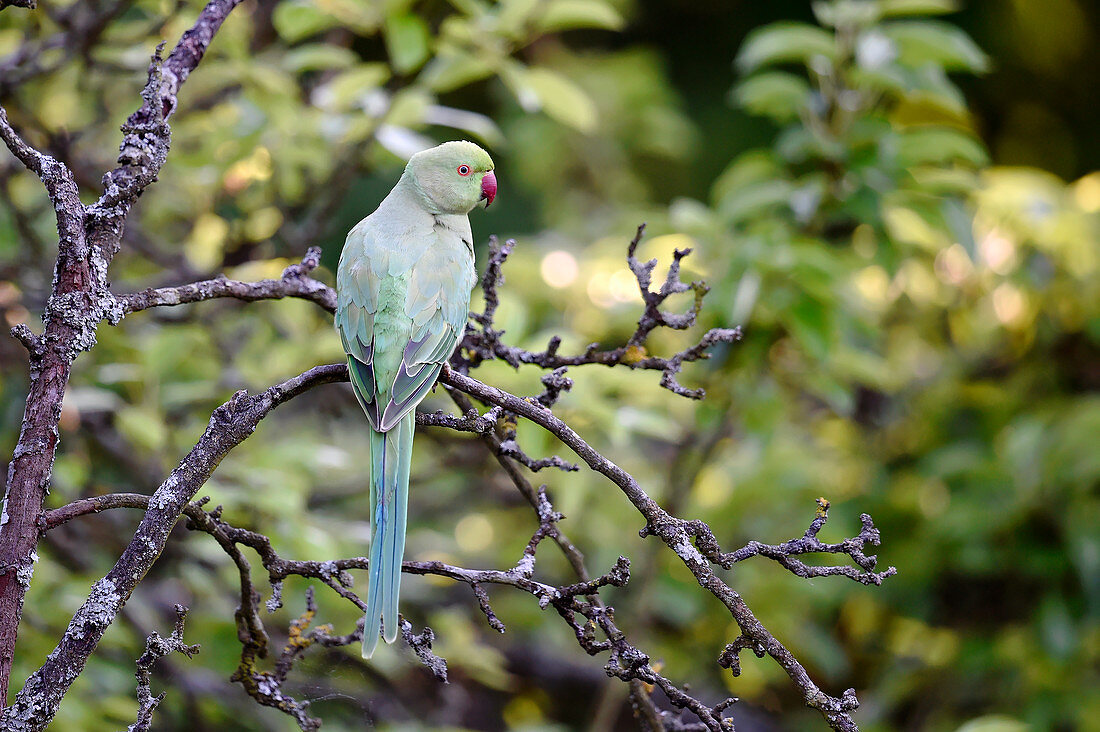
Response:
column 488, row 188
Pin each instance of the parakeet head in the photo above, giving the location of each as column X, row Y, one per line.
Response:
column 454, row 177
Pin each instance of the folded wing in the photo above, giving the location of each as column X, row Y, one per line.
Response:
column 432, row 322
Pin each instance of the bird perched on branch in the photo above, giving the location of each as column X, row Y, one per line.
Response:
column 403, row 296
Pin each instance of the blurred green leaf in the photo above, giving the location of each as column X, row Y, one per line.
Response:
column 406, row 41
column 298, row 19
column 808, row 321
column 916, row 7
column 740, row 204
column 559, row 15
column 923, row 42
column 317, row 57
column 774, row 94
column 782, row 43
column 451, row 70
column 920, row 146
column 845, row 13
column 995, row 723
column 144, row 426
column 557, row 96
column 348, row 88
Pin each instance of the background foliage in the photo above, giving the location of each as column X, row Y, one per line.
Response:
column 881, row 203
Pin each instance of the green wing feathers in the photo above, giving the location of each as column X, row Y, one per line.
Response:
column 400, row 315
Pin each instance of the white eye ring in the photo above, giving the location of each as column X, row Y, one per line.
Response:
column 464, row 170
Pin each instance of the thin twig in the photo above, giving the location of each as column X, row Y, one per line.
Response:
column 157, row 648
column 295, row 282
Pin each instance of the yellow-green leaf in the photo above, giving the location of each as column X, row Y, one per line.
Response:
column 920, row 146
column 350, row 86
column 144, row 426
column 450, row 71
column 318, row 56
column 917, row 7
column 562, row 15
column 928, row 41
column 297, row 20
column 774, row 94
column 562, row 99
column 406, row 41
column 784, row 42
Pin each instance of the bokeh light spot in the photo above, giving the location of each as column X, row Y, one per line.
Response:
column 953, row 264
column 624, row 287
column 998, row 251
column 473, row 532
column 1008, row 303
column 1087, row 193
column 559, row 269
column 872, row 283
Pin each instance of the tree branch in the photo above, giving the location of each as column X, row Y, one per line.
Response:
column 265, row 686
column 88, row 239
column 676, row 533
column 34, row 706
column 485, row 343
column 295, row 282
column 808, row 543
column 493, row 441
column 29, row 4
column 146, row 134
column 83, row 25
column 692, row 541
column 36, row 162
column 157, row 648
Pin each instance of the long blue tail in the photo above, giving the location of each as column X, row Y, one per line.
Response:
column 390, row 456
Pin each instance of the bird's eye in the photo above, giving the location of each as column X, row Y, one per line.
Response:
column 464, row 170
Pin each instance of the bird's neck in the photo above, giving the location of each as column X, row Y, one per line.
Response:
column 407, row 192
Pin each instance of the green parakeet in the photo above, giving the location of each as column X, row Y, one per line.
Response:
column 403, row 296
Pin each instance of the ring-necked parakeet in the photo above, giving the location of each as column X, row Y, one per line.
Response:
column 403, row 295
